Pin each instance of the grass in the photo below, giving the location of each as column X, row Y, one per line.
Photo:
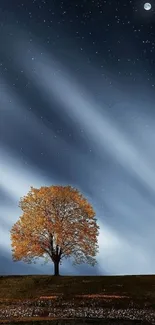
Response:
column 34, row 286
column 105, row 291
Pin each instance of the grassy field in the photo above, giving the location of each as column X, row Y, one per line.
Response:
column 34, row 286
column 106, row 291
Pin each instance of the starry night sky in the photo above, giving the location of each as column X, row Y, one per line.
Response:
column 77, row 107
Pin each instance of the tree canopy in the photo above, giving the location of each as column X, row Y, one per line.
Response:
column 57, row 222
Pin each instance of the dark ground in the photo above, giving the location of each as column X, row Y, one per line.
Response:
column 115, row 293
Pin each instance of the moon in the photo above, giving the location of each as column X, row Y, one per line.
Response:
column 147, row 6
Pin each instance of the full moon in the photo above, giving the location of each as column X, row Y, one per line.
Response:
column 147, row 6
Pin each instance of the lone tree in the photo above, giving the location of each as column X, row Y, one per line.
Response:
column 57, row 222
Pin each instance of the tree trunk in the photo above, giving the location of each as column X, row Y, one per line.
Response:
column 56, row 268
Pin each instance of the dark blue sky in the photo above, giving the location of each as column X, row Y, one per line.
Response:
column 77, row 107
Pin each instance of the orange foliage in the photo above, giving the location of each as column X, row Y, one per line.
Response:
column 57, row 222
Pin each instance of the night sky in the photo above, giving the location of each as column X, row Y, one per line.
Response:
column 77, row 107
